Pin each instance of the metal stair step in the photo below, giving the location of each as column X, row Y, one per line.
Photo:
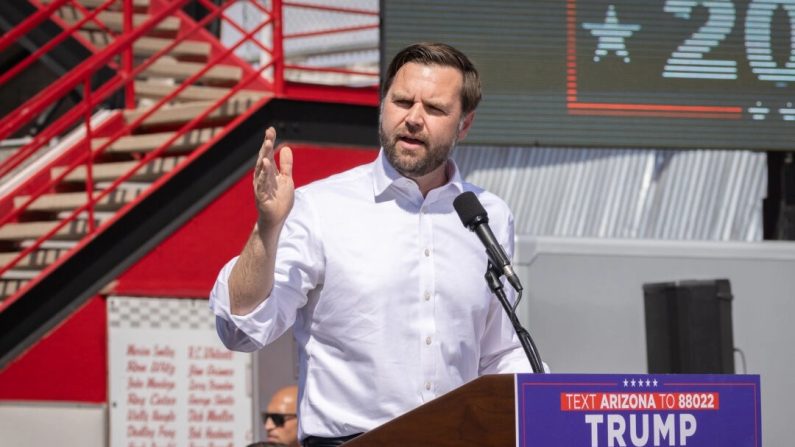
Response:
column 111, row 171
column 10, row 283
column 36, row 260
column 182, row 113
column 157, row 90
column 114, row 20
column 21, row 231
column 137, row 4
column 150, row 141
column 183, row 70
column 147, row 46
column 66, row 201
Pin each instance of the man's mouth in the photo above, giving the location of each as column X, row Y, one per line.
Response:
column 411, row 141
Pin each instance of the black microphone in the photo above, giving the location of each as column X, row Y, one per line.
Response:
column 474, row 217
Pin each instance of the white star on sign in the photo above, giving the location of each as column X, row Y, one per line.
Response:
column 611, row 35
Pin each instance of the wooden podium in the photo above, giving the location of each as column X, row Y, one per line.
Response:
column 584, row 409
column 480, row 413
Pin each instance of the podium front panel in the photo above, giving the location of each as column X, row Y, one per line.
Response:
column 638, row 410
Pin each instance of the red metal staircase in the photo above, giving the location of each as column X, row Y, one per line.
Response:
column 157, row 91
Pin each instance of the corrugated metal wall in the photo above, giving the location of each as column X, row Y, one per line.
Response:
column 625, row 193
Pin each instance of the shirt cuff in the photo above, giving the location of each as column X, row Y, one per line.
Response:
column 237, row 332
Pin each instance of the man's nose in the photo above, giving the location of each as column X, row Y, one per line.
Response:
column 414, row 118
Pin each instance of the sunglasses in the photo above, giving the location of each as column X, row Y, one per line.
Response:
column 278, row 418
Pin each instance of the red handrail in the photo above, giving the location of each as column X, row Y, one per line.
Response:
column 36, row 55
column 83, row 152
column 64, row 85
column 331, row 70
column 63, row 24
column 106, row 90
column 76, row 4
column 329, row 31
column 148, row 158
column 213, row 8
column 29, row 23
column 346, row 29
column 366, row 12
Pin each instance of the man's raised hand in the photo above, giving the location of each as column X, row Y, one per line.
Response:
column 274, row 189
column 251, row 279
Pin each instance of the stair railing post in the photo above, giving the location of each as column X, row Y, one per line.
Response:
column 127, row 56
column 278, row 47
column 90, row 156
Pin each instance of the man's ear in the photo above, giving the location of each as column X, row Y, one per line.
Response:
column 465, row 124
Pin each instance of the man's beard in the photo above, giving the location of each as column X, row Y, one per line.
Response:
column 415, row 167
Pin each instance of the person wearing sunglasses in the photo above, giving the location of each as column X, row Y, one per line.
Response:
column 280, row 420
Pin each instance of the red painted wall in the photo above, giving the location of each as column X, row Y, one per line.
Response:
column 70, row 363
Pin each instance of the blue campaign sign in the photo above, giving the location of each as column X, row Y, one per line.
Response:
column 611, row 410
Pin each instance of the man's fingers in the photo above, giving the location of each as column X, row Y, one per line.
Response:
column 286, row 161
column 261, row 173
column 270, row 133
column 266, row 150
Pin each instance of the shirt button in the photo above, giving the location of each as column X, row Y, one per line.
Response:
column 428, row 386
column 427, row 252
column 427, row 340
column 427, row 296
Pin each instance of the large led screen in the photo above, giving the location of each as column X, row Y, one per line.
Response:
column 639, row 73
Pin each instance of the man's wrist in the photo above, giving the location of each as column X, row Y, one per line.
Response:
column 267, row 231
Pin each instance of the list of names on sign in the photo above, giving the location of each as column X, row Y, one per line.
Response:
column 174, row 385
column 210, row 398
column 151, row 395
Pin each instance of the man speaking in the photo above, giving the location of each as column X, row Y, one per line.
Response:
column 372, row 268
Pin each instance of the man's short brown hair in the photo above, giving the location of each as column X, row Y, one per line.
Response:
column 443, row 55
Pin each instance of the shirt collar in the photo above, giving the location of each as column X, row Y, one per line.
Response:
column 385, row 175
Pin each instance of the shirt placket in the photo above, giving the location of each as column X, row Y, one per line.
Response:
column 427, row 298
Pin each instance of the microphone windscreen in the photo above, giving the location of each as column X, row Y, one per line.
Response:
column 469, row 208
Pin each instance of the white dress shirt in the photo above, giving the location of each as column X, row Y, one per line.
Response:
column 385, row 292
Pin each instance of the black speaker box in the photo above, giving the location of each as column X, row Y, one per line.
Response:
column 689, row 327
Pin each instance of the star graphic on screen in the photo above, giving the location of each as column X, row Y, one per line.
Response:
column 611, row 35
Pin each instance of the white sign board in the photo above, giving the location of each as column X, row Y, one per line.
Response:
column 172, row 383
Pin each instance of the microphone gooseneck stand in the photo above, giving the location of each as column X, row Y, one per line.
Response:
column 493, row 280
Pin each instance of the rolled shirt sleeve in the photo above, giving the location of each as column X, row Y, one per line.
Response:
column 299, row 267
